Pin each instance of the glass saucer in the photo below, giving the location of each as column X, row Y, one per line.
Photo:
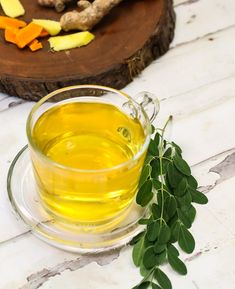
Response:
column 27, row 204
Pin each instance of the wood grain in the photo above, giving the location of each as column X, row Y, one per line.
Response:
column 127, row 40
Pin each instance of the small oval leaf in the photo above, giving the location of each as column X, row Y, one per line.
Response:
column 136, row 238
column 145, row 174
column 164, row 235
column 177, row 264
column 137, row 252
column 172, row 250
column 181, row 188
column 170, row 206
column 198, row 197
column 181, row 165
column 156, row 211
column 162, row 279
column 186, row 240
column 184, row 218
column 153, row 230
column 149, row 259
column 173, row 175
column 145, row 194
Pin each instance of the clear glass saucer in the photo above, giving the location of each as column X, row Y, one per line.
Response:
column 27, row 204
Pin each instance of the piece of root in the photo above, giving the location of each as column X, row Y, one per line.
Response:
column 88, row 18
column 83, row 4
column 59, row 5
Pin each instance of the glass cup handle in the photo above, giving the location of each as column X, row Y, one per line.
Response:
column 149, row 103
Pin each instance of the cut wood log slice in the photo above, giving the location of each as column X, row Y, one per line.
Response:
column 127, row 40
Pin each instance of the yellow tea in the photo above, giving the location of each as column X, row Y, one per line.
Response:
column 88, row 143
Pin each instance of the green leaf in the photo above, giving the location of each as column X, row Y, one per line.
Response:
column 158, row 248
column 198, row 197
column 185, row 201
column 177, row 148
column 149, row 258
column 184, row 218
column 181, row 165
column 161, row 257
column 153, row 148
column 192, row 182
column 143, row 285
column 153, row 230
column 152, row 129
column 144, row 221
column 137, row 252
column 155, row 168
column 172, row 249
column 173, row 175
column 143, row 271
column 147, row 243
column 164, row 234
column 148, row 160
column 170, row 206
column 157, row 139
column 162, row 279
column 167, row 153
column 186, row 240
column 155, row 286
column 145, row 174
column 175, row 232
column 145, row 194
column 156, row 184
column 176, row 264
column 191, row 213
column 136, row 238
column 156, row 211
column 181, row 188
column 165, row 164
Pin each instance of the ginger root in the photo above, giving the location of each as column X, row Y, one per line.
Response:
column 90, row 16
column 59, row 5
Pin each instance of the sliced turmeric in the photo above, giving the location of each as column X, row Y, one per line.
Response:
column 11, row 22
column 10, row 34
column 35, row 45
column 28, row 34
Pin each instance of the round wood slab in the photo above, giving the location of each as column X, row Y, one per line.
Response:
column 127, row 40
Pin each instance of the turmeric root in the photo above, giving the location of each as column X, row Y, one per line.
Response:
column 83, row 4
column 86, row 19
column 59, row 5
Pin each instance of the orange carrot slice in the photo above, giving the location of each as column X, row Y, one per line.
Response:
column 35, row 45
column 10, row 36
column 11, row 22
column 44, row 33
column 28, row 34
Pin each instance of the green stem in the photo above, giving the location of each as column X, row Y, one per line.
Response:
column 161, row 152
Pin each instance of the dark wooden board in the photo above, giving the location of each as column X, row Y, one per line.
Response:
column 134, row 33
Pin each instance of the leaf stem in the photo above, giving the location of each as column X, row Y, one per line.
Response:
column 161, row 152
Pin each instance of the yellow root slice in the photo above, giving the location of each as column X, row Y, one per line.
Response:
column 12, row 8
column 52, row 27
column 70, row 41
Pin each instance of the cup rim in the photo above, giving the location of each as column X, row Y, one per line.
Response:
column 60, row 166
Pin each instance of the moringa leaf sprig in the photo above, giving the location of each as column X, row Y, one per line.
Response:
column 168, row 189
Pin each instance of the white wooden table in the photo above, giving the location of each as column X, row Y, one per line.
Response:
column 195, row 82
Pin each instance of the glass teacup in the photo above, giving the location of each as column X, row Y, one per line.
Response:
column 88, row 144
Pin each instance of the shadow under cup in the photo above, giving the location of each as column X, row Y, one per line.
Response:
column 88, row 145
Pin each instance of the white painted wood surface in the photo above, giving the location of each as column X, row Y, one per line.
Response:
column 195, row 82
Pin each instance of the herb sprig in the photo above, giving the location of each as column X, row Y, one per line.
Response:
column 168, row 188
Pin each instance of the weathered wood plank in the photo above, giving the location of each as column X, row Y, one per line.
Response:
column 200, row 18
